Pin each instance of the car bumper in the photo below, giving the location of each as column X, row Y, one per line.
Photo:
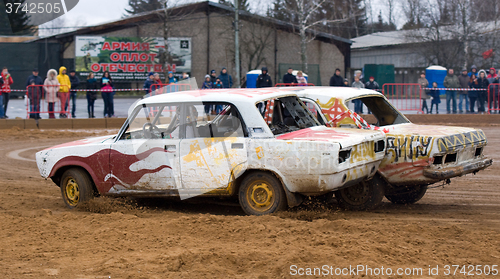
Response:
column 342, row 179
column 458, row 170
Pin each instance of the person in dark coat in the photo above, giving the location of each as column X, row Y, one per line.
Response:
column 34, row 77
column 336, row 79
column 92, row 85
column 372, row 84
column 289, row 77
column 217, row 85
column 75, row 81
column 264, row 79
column 213, row 76
column 435, row 97
column 451, row 82
column 424, row 83
column 480, row 82
column 226, row 79
column 35, row 94
column 149, row 82
column 462, row 94
column 107, row 93
column 473, row 83
column 207, row 84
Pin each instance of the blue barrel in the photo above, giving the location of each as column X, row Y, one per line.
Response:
column 252, row 78
column 436, row 74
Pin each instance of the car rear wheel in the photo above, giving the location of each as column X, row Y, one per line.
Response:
column 76, row 187
column 261, row 193
column 412, row 195
column 366, row 195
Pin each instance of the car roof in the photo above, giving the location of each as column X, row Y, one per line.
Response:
column 338, row 92
column 250, row 96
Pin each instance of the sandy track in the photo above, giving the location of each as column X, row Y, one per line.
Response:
column 157, row 238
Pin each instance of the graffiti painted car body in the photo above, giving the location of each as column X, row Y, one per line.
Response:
column 417, row 155
column 166, row 148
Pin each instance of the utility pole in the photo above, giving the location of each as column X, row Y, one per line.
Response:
column 236, row 42
column 165, row 57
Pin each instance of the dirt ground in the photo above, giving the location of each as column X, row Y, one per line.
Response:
column 157, row 238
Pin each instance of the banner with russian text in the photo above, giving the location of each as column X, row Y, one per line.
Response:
column 130, row 58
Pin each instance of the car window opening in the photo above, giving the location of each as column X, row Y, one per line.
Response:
column 287, row 114
column 188, row 121
column 383, row 111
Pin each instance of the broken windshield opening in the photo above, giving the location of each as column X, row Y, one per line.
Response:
column 383, row 111
column 286, row 114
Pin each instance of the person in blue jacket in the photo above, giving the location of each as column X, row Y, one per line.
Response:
column 435, row 97
column 227, row 80
column 171, row 78
column 207, row 84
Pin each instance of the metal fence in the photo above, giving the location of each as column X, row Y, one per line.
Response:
column 405, row 96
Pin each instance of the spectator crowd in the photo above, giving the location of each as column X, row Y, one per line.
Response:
column 57, row 90
column 469, row 100
column 465, row 93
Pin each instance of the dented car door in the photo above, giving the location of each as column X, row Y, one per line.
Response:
column 146, row 155
column 214, row 154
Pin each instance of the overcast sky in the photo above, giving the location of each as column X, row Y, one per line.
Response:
column 93, row 12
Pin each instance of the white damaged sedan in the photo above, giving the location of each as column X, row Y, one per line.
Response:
column 220, row 143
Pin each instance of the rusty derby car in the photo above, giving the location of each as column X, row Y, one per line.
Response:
column 263, row 146
column 417, row 155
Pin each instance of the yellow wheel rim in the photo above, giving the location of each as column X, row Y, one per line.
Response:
column 72, row 192
column 261, row 196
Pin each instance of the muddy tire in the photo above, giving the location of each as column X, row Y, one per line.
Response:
column 410, row 196
column 366, row 195
column 261, row 193
column 76, row 187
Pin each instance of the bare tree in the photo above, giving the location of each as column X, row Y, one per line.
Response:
column 53, row 27
column 255, row 41
column 302, row 13
column 414, row 11
column 369, row 14
column 165, row 54
column 391, row 5
column 435, row 43
column 454, row 33
column 169, row 16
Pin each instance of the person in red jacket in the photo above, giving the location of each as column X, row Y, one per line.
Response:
column 5, row 90
column 2, row 116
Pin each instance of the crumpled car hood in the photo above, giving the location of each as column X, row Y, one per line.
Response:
column 445, row 137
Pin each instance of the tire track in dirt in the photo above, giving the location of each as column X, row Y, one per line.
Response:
column 15, row 154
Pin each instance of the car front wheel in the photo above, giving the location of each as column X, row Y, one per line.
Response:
column 413, row 195
column 261, row 193
column 76, row 187
column 366, row 195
